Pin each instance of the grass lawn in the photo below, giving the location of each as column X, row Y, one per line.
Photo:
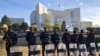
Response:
column 3, row 51
column 2, row 47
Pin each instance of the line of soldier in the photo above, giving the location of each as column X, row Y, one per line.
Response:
column 67, row 38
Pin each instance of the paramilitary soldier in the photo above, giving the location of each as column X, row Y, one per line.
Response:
column 66, row 39
column 44, row 37
column 90, row 39
column 31, row 38
column 55, row 39
column 11, row 39
column 74, row 38
column 81, row 38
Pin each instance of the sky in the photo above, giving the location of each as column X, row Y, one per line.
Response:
column 89, row 9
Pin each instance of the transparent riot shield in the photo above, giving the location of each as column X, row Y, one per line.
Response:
column 35, row 50
column 49, row 50
column 16, row 51
column 82, row 49
column 98, row 45
column 73, row 49
column 93, row 48
column 62, row 49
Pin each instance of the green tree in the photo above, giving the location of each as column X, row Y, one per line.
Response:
column 57, row 26
column 63, row 26
column 24, row 26
column 16, row 27
column 47, row 23
column 76, row 28
column 35, row 27
column 5, row 28
column 6, row 20
column 0, row 26
column 89, row 28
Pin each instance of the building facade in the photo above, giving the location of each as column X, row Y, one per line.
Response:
column 16, row 20
column 70, row 16
column 85, row 24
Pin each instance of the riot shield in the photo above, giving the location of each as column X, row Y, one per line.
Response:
column 73, row 49
column 82, row 50
column 16, row 51
column 98, row 45
column 35, row 50
column 49, row 50
column 93, row 48
column 61, row 49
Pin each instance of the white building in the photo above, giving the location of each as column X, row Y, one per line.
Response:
column 17, row 20
column 85, row 24
column 71, row 16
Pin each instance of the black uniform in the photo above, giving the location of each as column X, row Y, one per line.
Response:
column 55, row 39
column 74, row 38
column 31, row 39
column 81, row 39
column 66, row 40
column 44, row 37
column 90, row 38
column 11, row 39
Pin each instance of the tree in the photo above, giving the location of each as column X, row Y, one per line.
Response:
column 89, row 28
column 24, row 26
column 16, row 27
column 76, row 28
column 35, row 27
column 57, row 26
column 6, row 20
column 0, row 26
column 63, row 26
column 47, row 23
column 5, row 28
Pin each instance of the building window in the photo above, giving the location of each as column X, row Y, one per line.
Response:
column 72, row 14
column 42, row 25
column 43, row 10
column 59, row 19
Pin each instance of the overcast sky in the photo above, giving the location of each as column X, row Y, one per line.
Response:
column 90, row 9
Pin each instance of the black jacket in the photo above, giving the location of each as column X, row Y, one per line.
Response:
column 31, row 37
column 44, row 37
column 74, row 38
column 81, row 39
column 66, row 37
column 55, row 38
column 90, row 37
column 11, row 38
